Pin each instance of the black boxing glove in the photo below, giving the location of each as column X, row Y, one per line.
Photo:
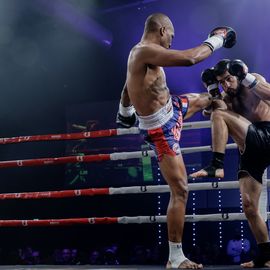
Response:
column 209, row 79
column 126, row 116
column 239, row 69
column 222, row 36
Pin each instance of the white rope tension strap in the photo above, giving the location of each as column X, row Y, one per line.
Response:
column 263, row 201
column 151, row 153
column 121, row 190
column 165, row 188
column 120, row 220
column 188, row 218
column 186, row 126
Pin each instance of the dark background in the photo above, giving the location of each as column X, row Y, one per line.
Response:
column 64, row 62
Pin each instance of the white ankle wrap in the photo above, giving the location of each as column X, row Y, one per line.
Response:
column 176, row 255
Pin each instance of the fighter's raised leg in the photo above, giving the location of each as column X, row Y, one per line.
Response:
column 224, row 123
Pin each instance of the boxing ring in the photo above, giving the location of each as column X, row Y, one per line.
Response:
column 112, row 191
column 126, row 267
column 131, row 267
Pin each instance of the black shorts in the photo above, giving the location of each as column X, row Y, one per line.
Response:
column 256, row 157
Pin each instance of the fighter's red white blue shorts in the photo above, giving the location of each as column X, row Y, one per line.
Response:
column 162, row 130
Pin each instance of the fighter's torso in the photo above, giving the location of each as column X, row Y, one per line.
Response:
column 249, row 105
column 146, row 85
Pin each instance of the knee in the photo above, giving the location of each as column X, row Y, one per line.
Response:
column 249, row 208
column 179, row 190
column 217, row 114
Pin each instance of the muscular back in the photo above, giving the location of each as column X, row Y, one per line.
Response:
column 146, row 84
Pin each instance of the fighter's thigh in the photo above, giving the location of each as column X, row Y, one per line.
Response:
column 173, row 169
column 197, row 102
column 237, row 125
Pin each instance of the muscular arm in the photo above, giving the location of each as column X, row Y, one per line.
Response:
column 226, row 99
column 262, row 89
column 125, row 101
column 126, row 117
column 197, row 102
column 158, row 56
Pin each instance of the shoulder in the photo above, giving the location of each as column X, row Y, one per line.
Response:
column 225, row 97
column 149, row 47
column 144, row 53
column 146, row 49
column 259, row 77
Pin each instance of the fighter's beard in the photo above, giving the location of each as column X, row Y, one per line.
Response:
column 234, row 93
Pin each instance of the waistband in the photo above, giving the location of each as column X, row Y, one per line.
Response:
column 157, row 119
column 261, row 124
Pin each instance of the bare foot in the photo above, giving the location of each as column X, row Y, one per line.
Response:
column 247, row 264
column 219, row 173
column 186, row 264
column 251, row 264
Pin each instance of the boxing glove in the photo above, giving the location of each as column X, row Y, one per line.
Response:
column 126, row 116
column 222, row 36
column 209, row 79
column 239, row 69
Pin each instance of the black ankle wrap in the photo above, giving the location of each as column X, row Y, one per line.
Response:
column 216, row 163
column 263, row 254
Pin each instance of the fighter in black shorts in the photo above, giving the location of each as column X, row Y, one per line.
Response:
column 256, row 157
column 244, row 114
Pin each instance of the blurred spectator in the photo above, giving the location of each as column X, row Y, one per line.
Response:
column 57, row 256
column 95, row 258
column 28, row 256
column 140, row 255
column 237, row 247
column 74, row 256
column 66, row 256
column 110, row 256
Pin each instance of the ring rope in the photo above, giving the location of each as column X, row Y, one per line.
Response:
column 117, row 191
column 93, row 134
column 121, row 220
column 107, row 191
column 99, row 157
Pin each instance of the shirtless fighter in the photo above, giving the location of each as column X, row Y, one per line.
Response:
column 160, row 115
column 244, row 114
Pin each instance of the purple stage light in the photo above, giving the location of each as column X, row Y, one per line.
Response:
column 77, row 20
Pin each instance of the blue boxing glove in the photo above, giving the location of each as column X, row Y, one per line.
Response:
column 239, row 69
column 126, row 116
column 222, row 36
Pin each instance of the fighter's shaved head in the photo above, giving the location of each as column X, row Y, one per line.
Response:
column 157, row 20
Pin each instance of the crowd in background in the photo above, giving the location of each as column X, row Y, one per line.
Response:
column 209, row 254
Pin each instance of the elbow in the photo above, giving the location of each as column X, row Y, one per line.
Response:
column 191, row 61
column 194, row 58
